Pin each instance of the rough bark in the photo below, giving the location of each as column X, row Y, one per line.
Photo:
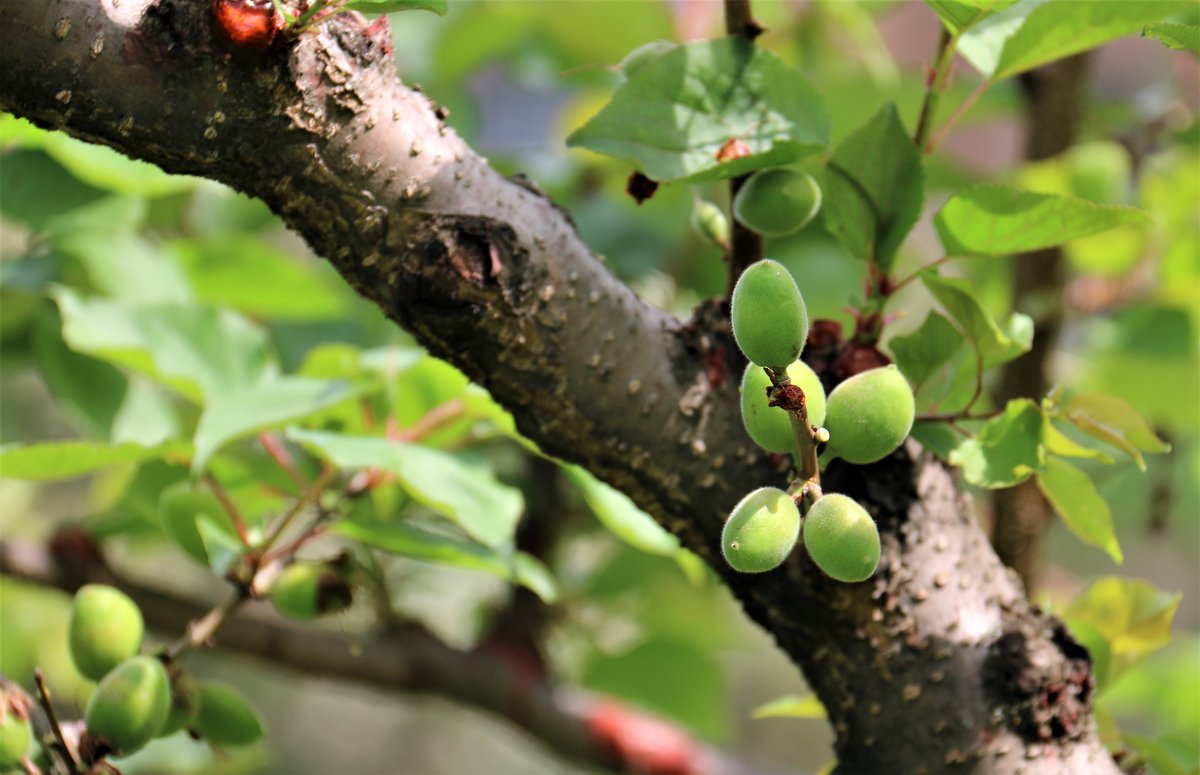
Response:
column 936, row 664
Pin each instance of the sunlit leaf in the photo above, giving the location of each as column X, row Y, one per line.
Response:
column 69, row 459
column 1115, row 422
column 960, row 301
column 1058, row 443
column 674, row 115
column 1181, row 37
column 1007, row 450
column 959, row 15
column 1074, row 498
column 925, row 350
column 791, row 706
column 1132, row 616
column 105, row 168
column 621, row 516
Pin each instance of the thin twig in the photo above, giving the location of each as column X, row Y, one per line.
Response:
column 937, row 139
column 435, row 418
column 917, row 273
column 309, row 496
column 282, row 458
column 231, row 508
column 934, row 87
column 200, row 631
column 953, row 417
column 52, row 718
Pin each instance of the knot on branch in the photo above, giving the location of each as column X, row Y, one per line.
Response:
column 787, row 397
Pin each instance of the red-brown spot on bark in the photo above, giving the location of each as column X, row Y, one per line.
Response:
column 716, row 369
column 640, row 187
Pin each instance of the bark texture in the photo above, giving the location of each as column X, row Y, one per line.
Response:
column 936, row 664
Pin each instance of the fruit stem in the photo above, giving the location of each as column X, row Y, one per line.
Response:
column 805, row 452
column 64, row 751
column 199, row 631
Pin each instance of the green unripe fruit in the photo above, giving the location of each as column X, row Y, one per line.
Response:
column 770, row 321
column 869, row 415
column 841, row 538
column 185, row 697
column 105, row 629
column 16, row 734
column 710, row 223
column 776, row 202
column 130, row 705
column 306, row 590
column 224, row 717
column 761, row 531
column 771, row 426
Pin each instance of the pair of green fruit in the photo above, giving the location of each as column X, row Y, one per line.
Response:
column 136, row 700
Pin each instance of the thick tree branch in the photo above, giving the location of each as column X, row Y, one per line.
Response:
column 937, row 662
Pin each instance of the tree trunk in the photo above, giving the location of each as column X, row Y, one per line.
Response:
column 936, row 664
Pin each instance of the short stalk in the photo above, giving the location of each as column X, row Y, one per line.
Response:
column 936, row 86
column 805, row 452
column 64, row 751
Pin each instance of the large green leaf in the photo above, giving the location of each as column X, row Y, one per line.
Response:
column 468, row 495
column 1033, row 32
column 421, row 544
column 995, row 345
column 88, row 391
column 1132, row 616
column 1007, row 450
column 874, row 187
column 1075, row 499
column 128, row 267
column 201, row 353
column 269, row 404
column 1115, row 422
column 922, row 352
column 104, row 168
column 674, row 115
column 1181, row 37
column 68, row 459
column 990, row 220
column 621, row 516
column 959, row 15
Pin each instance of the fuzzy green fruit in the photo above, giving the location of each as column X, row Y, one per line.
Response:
column 306, row 590
column 770, row 321
column 869, row 415
column 224, row 717
column 770, row 426
column 776, row 202
column 105, row 629
column 841, row 538
column 710, row 223
column 16, row 734
column 761, row 531
column 130, row 705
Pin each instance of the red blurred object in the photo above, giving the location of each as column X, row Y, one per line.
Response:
column 733, row 148
column 248, row 23
column 642, row 743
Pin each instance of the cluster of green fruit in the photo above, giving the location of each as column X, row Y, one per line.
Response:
column 138, row 698
column 864, row 419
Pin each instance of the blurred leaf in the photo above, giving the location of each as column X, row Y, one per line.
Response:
column 1058, row 443
column 1181, row 37
column 1111, row 420
column 1033, row 32
column 1132, row 616
column 270, row 404
column 962, row 14
column 68, row 459
column 937, row 437
column 200, row 352
column 469, row 495
column 874, row 187
column 246, row 273
column 88, row 391
column 180, row 508
column 146, row 416
column 959, row 299
column 621, row 516
column 991, row 220
column 922, row 352
column 674, row 115
column 1167, row 754
column 1007, row 450
column 105, row 168
column 392, row 6
column 678, row 681
column 34, row 188
column 410, row 540
column 127, row 267
column 791, row 706
column 1075, row 499
column 1163, row 689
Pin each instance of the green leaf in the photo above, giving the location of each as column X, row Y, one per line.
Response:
column 128, row 267
column 1181, row 37
column 677, row 680
column 234, row 271
column 992, row 220
column 959, row 15
column 791, row 706
column 201, row 353
column 994, row 345
column 1007, row 450
column 621, row 516
column 270, row 404
column 923, row 351
column 410, row 540
column 392, row 6
column 180, row 508
column 1058, row 443
column 104, row 168
column 68, row 459
column 674, row 114
column 468, row 495
column 1115, row 422
column 1132, row 616
column 1166, row 754
column 146, row 417
column 874, row 187
column 937, row 437
column 1075, row 499
column 88, row 391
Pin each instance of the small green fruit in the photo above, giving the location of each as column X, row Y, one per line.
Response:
column 841, row 538
column 185, row 697
column 770, row 321
column 105, row 629
column 306, row 590
column 16, row 734
column 761, row 531
column 130, row 705
column 770, row 426
column 869, row 415
column 224, row 717
column 710, row 223
column 776, row 202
